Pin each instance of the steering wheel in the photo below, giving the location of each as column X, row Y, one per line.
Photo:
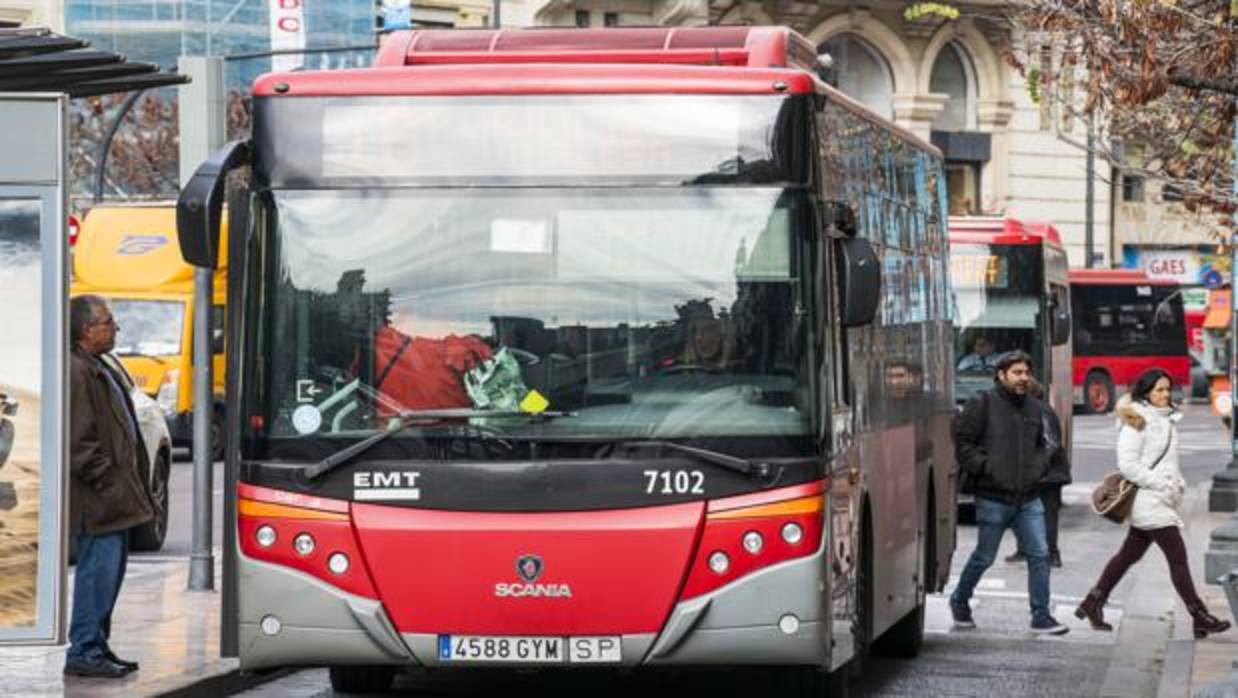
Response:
column 526, row 358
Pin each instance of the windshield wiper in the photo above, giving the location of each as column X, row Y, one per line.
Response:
column 743, row 466
column 405, row 420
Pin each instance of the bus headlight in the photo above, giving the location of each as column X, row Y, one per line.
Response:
column 337, row 563
column 753, row 542
column 719, row 562
column 265, row 535
column 792, row 533
column 168, row 391
column 303, row 543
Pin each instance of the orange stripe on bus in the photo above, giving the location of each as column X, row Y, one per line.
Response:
column 248, row 507
column 804, row 505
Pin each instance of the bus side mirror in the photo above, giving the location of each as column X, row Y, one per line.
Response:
column 200, row 206
column 1061, row 326
column 859, row 282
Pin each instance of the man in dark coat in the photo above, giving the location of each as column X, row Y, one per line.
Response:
column 1001, row 445
column 1057, row 476
column 108, row 495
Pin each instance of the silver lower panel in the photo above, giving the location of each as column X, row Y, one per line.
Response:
column 319, row 624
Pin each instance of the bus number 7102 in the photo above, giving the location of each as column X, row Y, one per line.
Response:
column 674, row 482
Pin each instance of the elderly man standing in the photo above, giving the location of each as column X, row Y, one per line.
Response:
column 108, row 494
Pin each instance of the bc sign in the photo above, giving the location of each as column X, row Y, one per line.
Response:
column 287, row 33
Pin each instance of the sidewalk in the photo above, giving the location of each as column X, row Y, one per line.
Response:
column 1213, row 661
column 171, row 632
column 1187, row 665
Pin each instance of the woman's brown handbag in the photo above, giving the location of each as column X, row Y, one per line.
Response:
column 1114, row 497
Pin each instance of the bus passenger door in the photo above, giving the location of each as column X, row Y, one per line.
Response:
column 837, row 398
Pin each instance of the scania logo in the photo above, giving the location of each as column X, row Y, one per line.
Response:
column 529, row 567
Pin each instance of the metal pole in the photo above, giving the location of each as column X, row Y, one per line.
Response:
column 202, row 122
column 496, row 15
column 202, row 561
column 1222, row 555
column 1089, row 215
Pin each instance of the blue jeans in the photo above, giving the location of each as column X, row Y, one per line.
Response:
column 993, row 517
column 101, row 562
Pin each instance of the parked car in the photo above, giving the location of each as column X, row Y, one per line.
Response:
column 154, row 426
column 148, row 537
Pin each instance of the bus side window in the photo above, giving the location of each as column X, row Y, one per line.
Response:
column 1060, row 314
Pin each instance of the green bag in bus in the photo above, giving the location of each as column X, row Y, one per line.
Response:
column 496, row 383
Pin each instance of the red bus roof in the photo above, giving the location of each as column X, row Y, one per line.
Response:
column 529, row 79
column 630, row 60
column 1002, row 231
column 1115, row 277
column 751, row 47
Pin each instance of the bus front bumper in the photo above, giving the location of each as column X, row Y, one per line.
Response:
column 776, row 616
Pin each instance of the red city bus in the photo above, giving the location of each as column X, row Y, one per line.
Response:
column 557, row 348
column 1011, row 291
column 1125, row 325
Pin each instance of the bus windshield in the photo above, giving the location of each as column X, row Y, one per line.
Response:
column 644, row 313
column 148, row 327
column 997, row 292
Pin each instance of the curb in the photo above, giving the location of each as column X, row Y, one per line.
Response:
column 225, row 683
column 1176, row 674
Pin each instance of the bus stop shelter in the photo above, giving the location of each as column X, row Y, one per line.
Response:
column 40, row 72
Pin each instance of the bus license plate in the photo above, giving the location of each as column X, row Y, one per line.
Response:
column 529, row 650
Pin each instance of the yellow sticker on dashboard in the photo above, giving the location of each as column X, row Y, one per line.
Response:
column 534, row 402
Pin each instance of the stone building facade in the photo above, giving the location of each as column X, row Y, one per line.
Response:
column 34, row 13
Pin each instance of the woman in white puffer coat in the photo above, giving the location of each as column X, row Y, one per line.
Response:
column 1148, row 457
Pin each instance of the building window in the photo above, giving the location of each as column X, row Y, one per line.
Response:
column 863, row 72
column 963, row 186
column 582, row 18
column 610, row 19
column 953, row 75
column 1042, row 89
column 1171, row 193
column 1132, row 188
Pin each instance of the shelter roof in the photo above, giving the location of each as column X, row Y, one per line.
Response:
column 35, row 59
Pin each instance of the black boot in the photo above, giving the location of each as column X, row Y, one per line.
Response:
column 1205, row 623
column 1093, row 609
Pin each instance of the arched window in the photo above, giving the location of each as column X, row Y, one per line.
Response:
column 863, row 72
column 953, row 75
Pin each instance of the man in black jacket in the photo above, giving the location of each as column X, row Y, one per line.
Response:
column 1001, row 446
column 1056, row 477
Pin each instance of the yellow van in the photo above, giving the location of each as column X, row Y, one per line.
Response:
column 130, row 255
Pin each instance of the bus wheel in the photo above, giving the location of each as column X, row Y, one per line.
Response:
column 362, row 679
column 1098, row 393
column 862, row 625
column 811, row 682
